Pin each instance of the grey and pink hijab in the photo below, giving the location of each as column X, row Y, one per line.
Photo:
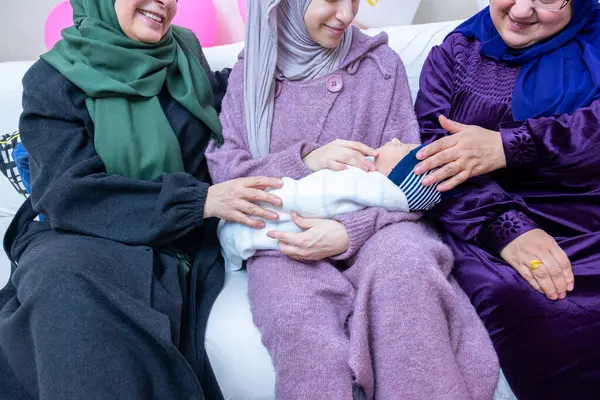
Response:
column 278, row 46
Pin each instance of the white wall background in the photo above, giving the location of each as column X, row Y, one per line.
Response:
column 22, row 23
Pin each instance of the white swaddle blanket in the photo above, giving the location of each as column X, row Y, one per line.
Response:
column 323, row 194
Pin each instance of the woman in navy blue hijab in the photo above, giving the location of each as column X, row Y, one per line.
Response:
column 519, row 84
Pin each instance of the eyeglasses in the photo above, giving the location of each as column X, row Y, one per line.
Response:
column 550, row 5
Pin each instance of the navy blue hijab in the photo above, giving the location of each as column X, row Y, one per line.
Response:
column 558, row 75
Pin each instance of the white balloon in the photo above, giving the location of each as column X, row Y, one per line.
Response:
column 382, row 13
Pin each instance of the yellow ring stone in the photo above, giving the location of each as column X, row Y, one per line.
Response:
column 535, row 265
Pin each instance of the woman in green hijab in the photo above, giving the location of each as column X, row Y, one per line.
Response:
column 110, row 293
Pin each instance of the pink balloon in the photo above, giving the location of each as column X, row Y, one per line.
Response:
column 200, row 16
column 60, row 17
column 242, row 8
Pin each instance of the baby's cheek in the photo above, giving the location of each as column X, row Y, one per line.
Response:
column 384, row 166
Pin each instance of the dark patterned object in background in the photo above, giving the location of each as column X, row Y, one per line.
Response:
column 7, row 165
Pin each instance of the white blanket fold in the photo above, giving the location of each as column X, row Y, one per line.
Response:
column 323, row 194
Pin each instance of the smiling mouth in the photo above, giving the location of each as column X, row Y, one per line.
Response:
column 336, row 30
column 152, row 16
column 522, row 24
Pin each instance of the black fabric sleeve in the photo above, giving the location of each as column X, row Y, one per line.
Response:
column 70, row 186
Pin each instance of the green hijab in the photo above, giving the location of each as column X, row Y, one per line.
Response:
column 122, row 78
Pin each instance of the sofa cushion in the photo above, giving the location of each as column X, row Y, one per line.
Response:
column 413, row 43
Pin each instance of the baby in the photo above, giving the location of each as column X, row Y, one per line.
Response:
column 327, row 193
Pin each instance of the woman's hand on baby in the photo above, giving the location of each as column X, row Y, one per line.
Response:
column 554, row 277
column 340, row 154
column 469, row 151
column 322, row 238
column 235, row 200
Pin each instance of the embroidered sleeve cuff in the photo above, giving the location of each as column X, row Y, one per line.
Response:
column 419, row 197
column 506, row 228
column 293, row 166
column 519, row 148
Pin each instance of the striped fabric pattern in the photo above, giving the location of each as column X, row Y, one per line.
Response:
column 420, row 197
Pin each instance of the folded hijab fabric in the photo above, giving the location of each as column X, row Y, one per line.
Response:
column 122, row 79
column 278, row 45
column 558, row 75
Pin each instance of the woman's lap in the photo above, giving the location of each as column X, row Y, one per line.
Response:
column 422, row 315
column 547, row 349
column 403, row 269
column 409, row 253
column 81, row 303
column 46, row 253
column 401, row 249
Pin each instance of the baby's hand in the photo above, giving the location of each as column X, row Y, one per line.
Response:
column 390, row 155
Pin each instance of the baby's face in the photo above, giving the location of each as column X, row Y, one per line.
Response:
column 390, row 154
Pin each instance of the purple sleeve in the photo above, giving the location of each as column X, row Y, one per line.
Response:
column 567, row 142
column 233, row 159
column 402, row 124
column 479, row 210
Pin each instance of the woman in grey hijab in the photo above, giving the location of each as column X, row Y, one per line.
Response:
column 362, row 305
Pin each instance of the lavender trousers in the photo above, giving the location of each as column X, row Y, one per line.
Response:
column 391, row 319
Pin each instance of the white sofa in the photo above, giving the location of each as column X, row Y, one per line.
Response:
column 242, row 365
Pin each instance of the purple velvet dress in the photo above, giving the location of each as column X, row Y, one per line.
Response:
column 547, row 349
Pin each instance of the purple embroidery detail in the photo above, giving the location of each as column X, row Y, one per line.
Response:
column 522, row 149
column 510, row 225
column 506, row 226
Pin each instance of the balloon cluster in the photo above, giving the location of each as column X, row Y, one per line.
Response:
column 200, row 16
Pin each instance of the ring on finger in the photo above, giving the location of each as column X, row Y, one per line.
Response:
column 460, row 168
column 534, row 265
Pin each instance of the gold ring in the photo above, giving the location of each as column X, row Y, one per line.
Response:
column 459, row 166
column 535, row 265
